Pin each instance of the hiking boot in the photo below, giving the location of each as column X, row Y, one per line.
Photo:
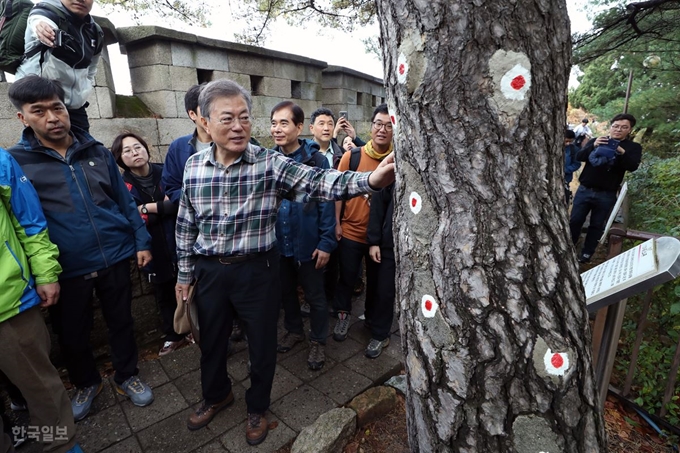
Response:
column 82, row 400
column 289, row 340
column 256, row 430
column 317, row 356
column 170, row 346
column 305, row 310
column 341, row 326
column 139, row 393
column 205, row 413
column 375, row 347
column 584, row 258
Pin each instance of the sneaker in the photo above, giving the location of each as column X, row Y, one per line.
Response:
column 82, row 400
column 170, row 346
column 289, row 340
column 17, row 406
column 76, row 449
column 341, row 326
column 206, row 413
column 375, row 347
column 139, row 393
column 256, row 430
column 584, row 258
column 305, row 310
column 317, row 356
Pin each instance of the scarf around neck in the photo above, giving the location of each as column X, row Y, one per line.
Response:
column 372, row 153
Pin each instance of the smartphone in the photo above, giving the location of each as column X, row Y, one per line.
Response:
column 343, row 114
column 59, row 37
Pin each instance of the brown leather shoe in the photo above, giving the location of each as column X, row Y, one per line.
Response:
column 205, row 413
column 256, row 431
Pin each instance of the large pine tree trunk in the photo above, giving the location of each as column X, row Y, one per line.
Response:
column 493, row 318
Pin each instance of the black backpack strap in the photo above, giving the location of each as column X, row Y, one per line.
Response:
column 355, row 159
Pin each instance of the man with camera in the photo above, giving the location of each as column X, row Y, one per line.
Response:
column 607, row 160
column 64, row 43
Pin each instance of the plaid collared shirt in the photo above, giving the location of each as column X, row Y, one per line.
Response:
column 232, row 210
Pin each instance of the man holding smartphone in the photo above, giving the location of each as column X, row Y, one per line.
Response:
column 64, row 43
column 600, row 180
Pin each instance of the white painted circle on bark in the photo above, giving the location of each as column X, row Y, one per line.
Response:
column 516, row 82
column 556, row 363
column 429, row 306
column 402, row 68
column 415, row 202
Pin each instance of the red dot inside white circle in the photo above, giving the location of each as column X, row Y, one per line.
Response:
column 415, row 202
column 518, row 82
column 557, row 360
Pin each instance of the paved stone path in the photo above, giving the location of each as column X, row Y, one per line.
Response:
column 299, row 396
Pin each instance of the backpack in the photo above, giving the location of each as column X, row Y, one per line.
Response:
column 12, row 29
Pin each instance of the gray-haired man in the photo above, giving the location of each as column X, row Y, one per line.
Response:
column 226, row 241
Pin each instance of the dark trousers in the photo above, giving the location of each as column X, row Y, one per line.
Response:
column 350, row 255
column 72, row 319
column 311, row 280
column 79, row 118
column 380, row 312
column 252, row 291
column 599, row 203
column 167, row 304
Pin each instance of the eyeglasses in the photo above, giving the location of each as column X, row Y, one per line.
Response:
column 377, row 125
column 229, row 121
column 137, row 149
column 620, row 128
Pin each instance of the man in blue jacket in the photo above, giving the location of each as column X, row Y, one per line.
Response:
column 95, row 224
column 305, row 233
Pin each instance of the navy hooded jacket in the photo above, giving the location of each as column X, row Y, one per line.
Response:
column 302, row 228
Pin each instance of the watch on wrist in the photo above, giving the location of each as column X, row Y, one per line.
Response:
column 144, row 210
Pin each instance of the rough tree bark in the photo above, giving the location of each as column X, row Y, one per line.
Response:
column 493, row 318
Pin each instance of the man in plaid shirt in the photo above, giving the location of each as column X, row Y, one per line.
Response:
column 226, row 240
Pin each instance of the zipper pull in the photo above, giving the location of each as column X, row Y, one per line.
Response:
column 73, row 171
